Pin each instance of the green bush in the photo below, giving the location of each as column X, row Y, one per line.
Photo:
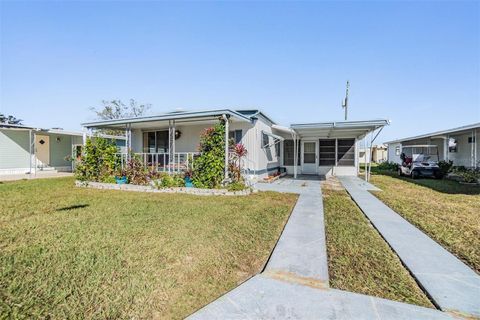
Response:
column 98, row 161
column 236, row 186
column 208, row 168
column 387, row 166
column 445, row 166
column 470, row 175
column 169, row 181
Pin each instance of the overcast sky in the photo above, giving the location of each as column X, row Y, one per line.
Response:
column 415, row 63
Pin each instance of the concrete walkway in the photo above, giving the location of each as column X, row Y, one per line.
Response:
column 264, row 298
column 301, row 250
column 294, row 284
column 451, row 284
column 39, row 175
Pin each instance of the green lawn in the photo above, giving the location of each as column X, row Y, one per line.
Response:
column 359, row 260
column 447, row 211
column 69, row 252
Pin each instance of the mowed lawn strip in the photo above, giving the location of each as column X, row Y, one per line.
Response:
column 359, row 260
column 447, row 211
column 68, row 252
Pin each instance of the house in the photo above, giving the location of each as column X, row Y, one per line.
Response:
column 459, row 145
column 169, row 141
column 378, row 154
column 25, row 149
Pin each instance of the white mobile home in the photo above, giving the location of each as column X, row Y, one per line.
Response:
column 460, row 145
column 171, row 139
column 26, row 149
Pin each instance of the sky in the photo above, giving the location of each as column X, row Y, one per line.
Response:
column 414, row 63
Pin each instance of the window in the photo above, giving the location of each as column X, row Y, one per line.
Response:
column 326, row 152
column 346, row 152
column 471, row 139
column 288, row 153
column 452, row 145
column 155, row 142
column 397, row 150
column 265, row 140
column 236, row 135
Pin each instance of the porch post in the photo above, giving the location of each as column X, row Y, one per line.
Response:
column 445, row 147
column 30, row 153
column 226, row 146
column 84, row 136
column 173, row 143
column 365, row 156
column 472, row 150
column 127, row 142
column 34, row 154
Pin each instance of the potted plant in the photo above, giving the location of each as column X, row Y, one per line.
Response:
column 121, row 177
column 188, row 179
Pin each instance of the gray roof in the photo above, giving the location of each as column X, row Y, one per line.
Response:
column 439, row 133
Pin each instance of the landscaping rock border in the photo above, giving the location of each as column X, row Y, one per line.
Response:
column 137, row 188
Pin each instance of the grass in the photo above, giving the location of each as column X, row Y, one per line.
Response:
column 359, row 260
column 68, row 252
column 445, row 210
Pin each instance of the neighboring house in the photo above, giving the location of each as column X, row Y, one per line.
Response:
column 378, row 154
column 459, row 145
column 26, row 149
column 170, row 141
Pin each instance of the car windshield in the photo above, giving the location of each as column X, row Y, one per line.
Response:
column 421, row 153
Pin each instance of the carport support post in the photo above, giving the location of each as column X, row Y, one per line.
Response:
column 30, row 153
column 225, row 118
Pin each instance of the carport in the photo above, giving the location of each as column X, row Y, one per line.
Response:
column 327, row 148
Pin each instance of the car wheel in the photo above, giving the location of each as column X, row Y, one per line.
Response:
column 415, row 175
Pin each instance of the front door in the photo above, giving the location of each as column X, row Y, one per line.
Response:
column 309, row 157
column 42, row 150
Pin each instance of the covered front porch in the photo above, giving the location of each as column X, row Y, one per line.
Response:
column 169, row 142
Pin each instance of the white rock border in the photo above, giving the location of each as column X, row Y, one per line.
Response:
column 137, row 188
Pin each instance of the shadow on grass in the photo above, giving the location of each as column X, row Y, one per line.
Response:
column 72, row 207
column 444, row 186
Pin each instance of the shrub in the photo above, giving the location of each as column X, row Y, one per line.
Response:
column 388, row 166
column 445, row 166
column 135, row 171
column 236, row 186
column 169, row 181
column 98, row 161
column 208, row 168
column 470, row 175
column 239, row 152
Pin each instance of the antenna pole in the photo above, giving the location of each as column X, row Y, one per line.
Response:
column 345, row 103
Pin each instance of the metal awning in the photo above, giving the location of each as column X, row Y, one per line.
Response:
column 187, row 117
column 276, row 139
column 343, row 129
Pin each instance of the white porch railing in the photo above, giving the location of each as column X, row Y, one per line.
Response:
column 181, row 161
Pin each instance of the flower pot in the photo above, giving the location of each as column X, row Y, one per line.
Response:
column 121, row 180
column 188, row 182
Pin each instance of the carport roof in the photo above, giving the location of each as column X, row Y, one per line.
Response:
column 439, row 133
column 340, row 129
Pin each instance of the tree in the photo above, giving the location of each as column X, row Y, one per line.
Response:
column 116, row 109
column 9, row 119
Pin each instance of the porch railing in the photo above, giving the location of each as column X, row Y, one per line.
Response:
column 181, row 161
